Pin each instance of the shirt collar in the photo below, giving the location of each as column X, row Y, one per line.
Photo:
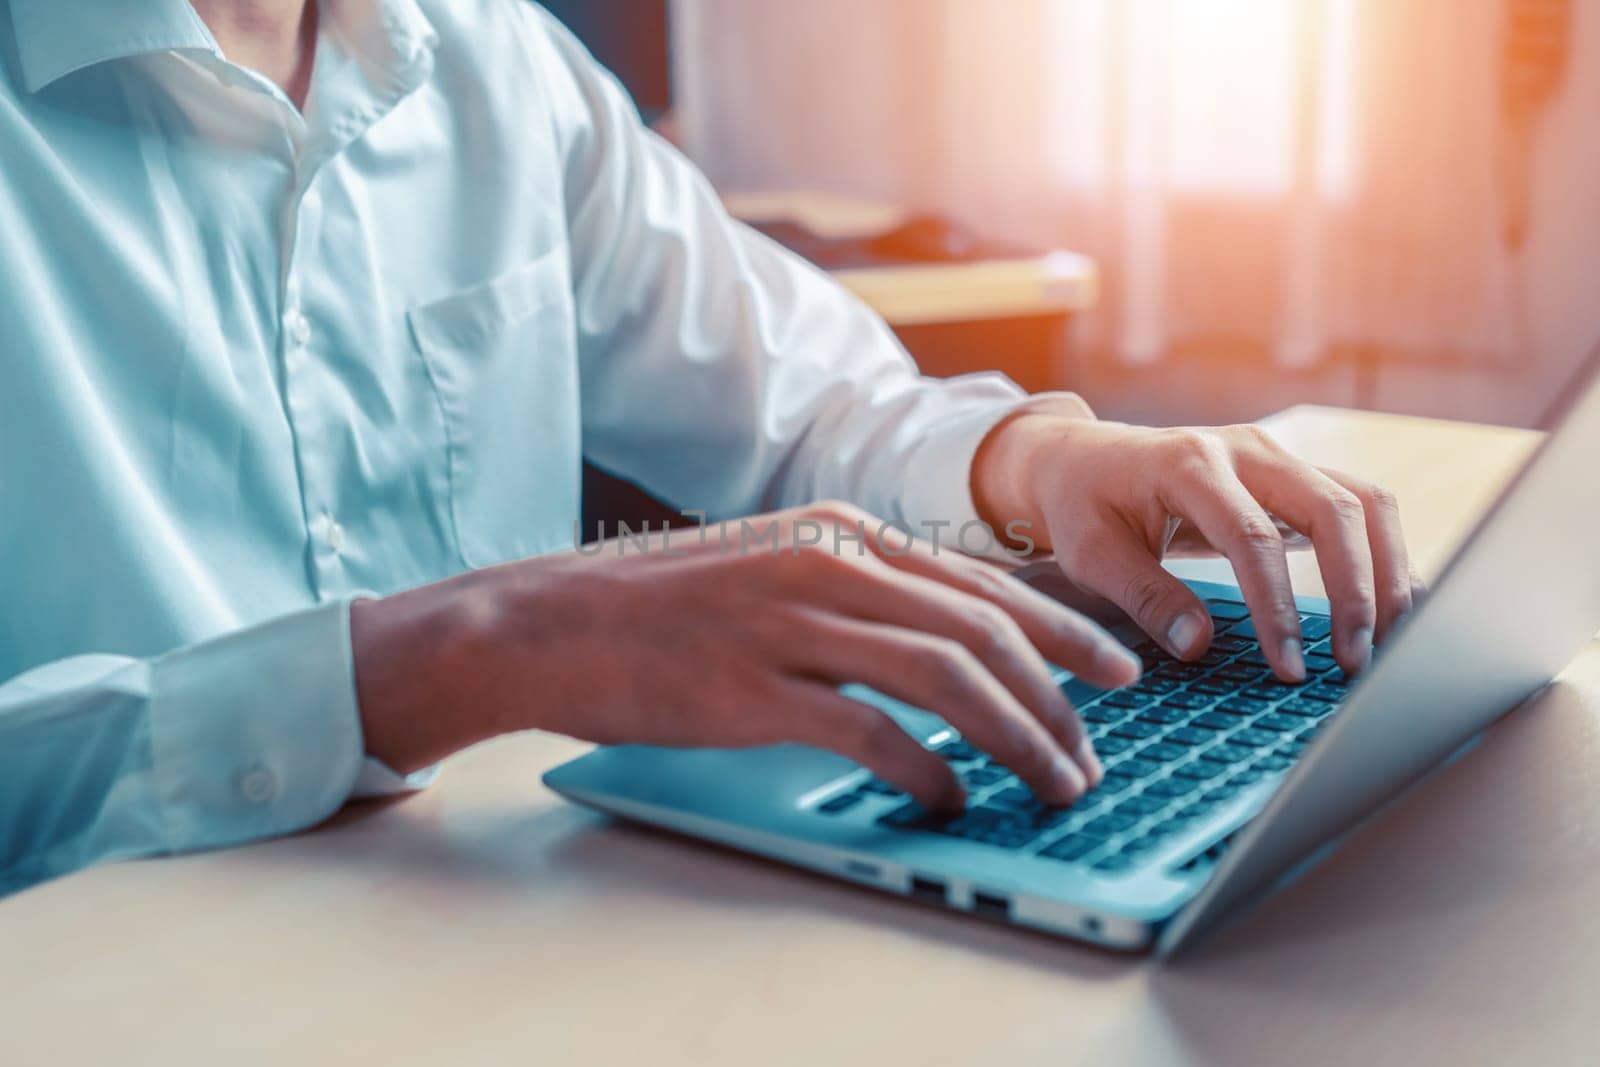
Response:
column 57, row 37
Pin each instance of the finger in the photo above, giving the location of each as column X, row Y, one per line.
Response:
column 1064, row 636
column 1335, row 520
column 1395, row 582
column 1115, row 563
column 941, row 676
column 817, row 714
column 1211, row 496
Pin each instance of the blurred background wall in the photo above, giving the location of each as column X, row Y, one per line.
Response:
column 1362, row 202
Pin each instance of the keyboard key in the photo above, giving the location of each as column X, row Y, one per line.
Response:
column 1110, row 746
column 1134, row 767
column 1196, row 809
column 912, row 816
column 1294, row 749
column 1247, row 777
column 1213, row 720
column 1277, row 723
column 1329, row 694
column 1305, row 709
column 1139, row 806
column 1189, row 735
column 1227, row 754
column 986, row 775
column 1315, row 627
column 1317, row 662
column 1270, row 691
column 842, row 802
column 1110, row 785
column 1171, row 787
column 1136, row 731
column 1109, row 824
column 1164, row 751
column 1215, row 687
column 1202, row 769
column 1179, row 672
column 1019, row 797
column 1243, row 706
column 1187, row 701
column 1232, row 644
column 1113, row 863
column 1124, row 699
column 1140, row 845
column 1230, row 610
column 1100, row 713
column 957, row 749
column 1163, row 715
column 1222, row 792
column 1073, row 847
column 1168, row 827
column 1155, row 686
column 1274, row 763
column 881, row 787
column 1254, row 738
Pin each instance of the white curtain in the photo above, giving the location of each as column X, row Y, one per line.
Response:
column 1302, row 179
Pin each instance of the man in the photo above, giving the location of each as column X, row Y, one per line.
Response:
column 311, row 311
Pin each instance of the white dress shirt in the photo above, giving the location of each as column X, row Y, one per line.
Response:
column 254, row 363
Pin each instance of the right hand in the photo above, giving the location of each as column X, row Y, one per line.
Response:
column 702, row 646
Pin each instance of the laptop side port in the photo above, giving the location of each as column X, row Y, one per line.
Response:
column 991, row 906
column 927, row 890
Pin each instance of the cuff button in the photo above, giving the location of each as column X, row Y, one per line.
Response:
column 258, row 785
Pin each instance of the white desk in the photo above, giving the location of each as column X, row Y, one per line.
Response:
column 486, row 922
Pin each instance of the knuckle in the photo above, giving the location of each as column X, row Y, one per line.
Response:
column 1250, row 434
column 992, row 631
column 1259, row 536
column 947, row 666
column 1345, row 507
column 1382, row 499
column 834, row 511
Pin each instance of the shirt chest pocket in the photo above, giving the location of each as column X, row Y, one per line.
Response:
column 500, row 357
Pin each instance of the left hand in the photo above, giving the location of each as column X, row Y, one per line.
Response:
column 1111, row 500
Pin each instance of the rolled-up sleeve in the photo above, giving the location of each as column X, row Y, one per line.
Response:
column 248, row 735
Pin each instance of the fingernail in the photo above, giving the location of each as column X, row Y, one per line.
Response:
column 1066, row 779
column 1090, row 763
column 1182, row 633
column 1114, row 661
column 1359, row 650
column 1294, row 661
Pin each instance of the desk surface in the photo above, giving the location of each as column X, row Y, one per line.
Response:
column 487, row 922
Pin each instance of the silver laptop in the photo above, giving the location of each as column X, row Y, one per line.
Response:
column 1220, row 782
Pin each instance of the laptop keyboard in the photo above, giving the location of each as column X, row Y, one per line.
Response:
column 1185, row 739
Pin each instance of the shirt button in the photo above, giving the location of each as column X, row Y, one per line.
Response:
column 299, row 326
column 258, row 785
column 336, row 537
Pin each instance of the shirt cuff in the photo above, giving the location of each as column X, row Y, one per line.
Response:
column 256, row 733
column 937, row 496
